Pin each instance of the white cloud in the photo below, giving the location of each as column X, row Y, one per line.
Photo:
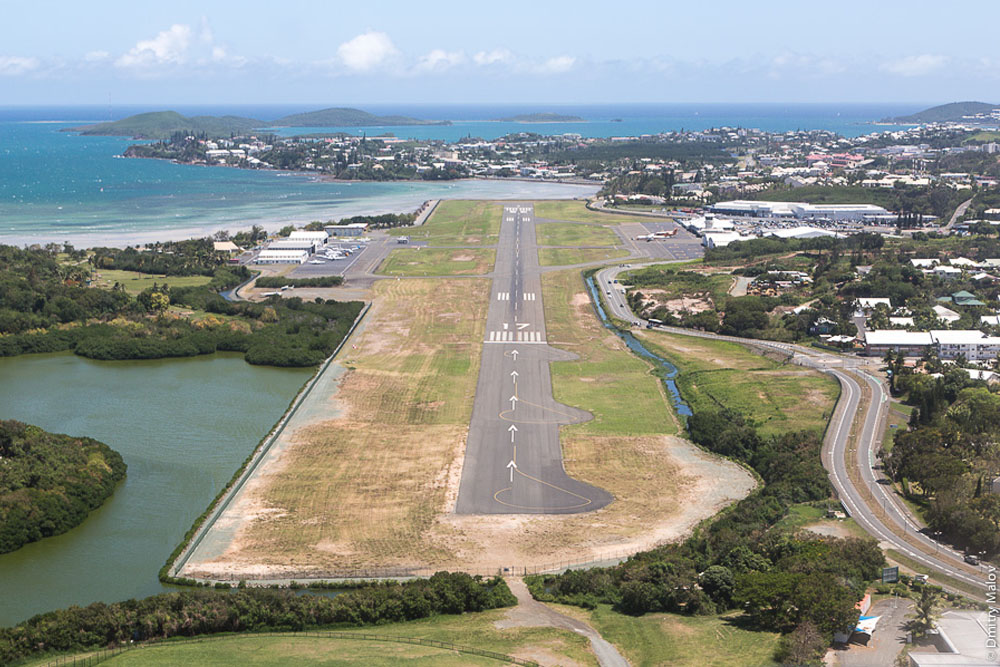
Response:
column 915, row 65
column 366, row 51
column 493, row 57
column 169, row 47
column 17, row 65
column 557, row 65
column 803, row 65
column 439, row 60
column 96, row 56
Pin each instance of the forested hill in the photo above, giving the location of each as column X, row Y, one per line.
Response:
column 162, row 124
column 955, row 111
column 49, row 482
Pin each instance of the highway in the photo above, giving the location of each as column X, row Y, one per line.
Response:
column 513, row 459
column 870, row 501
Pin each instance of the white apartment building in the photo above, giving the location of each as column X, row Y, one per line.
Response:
column 972, row 344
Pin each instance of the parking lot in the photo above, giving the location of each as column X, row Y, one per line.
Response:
column 684, row 245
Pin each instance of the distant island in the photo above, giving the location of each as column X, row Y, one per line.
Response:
column 163, row 124
column 50, row 482
column 945, row 113
column 540, row 118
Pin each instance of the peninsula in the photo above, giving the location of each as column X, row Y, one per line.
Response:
column 49, row 482
column 949, row 113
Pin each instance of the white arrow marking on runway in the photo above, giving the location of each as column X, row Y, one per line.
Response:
column 512, row 430
column 514, row 354
column 513, row 402
column 513, row 375
column 522, row 325
column 512, row 466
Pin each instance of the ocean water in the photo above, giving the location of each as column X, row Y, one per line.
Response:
column 59, row 186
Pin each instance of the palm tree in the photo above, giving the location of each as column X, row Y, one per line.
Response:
column 925, row 612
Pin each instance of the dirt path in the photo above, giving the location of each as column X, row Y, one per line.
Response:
column 529, row 612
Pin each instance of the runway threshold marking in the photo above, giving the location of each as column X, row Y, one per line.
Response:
column 515, row 469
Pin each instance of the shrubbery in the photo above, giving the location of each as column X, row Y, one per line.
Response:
column 320, row 281
column 45, row 308
column 49, row 482
column 202, row 612
column 779, row 580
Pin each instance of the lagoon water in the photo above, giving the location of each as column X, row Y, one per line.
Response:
column 59, row 186
column 183, row 427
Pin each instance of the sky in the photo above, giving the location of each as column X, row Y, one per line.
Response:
column 544, row 51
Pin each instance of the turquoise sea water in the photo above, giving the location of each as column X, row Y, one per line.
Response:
column 59, row 186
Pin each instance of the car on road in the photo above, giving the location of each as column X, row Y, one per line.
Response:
column 972, row 559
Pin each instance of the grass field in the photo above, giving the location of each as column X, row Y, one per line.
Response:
column 135, row 282
column 366, row 487
column 567, row 233
column 714, row 373
column 605, row 372
column 473, row 630
column 571, row 256
column 627, row 447
column 681, row 641
column 458, row 223
column 438, row 262
column 374, row 486
column 577, row 211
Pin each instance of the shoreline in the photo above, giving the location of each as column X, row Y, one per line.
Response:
column 272, row 220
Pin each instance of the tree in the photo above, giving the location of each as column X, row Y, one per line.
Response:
column 804, row 645
column 717, row 581
column 159, row 302
column 925, row 612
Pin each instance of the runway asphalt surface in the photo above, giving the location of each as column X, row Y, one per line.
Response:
column 513, row 460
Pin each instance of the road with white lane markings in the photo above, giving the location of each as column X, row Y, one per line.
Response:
column 871, row 503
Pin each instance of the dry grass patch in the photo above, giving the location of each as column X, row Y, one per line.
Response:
column 375, row 488
column 364, row 489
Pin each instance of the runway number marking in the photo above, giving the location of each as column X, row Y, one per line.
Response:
column 520, row 325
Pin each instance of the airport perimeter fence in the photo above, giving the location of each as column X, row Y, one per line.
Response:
column 226, row 495
column 329, row 578
column 98, row 657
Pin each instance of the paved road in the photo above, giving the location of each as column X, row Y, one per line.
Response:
column 959, row 212
column 513, row 460
column 871, row 503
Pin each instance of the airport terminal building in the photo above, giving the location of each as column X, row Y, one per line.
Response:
column 802, row 211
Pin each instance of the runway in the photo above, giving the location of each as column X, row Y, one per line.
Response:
column 513, row 459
